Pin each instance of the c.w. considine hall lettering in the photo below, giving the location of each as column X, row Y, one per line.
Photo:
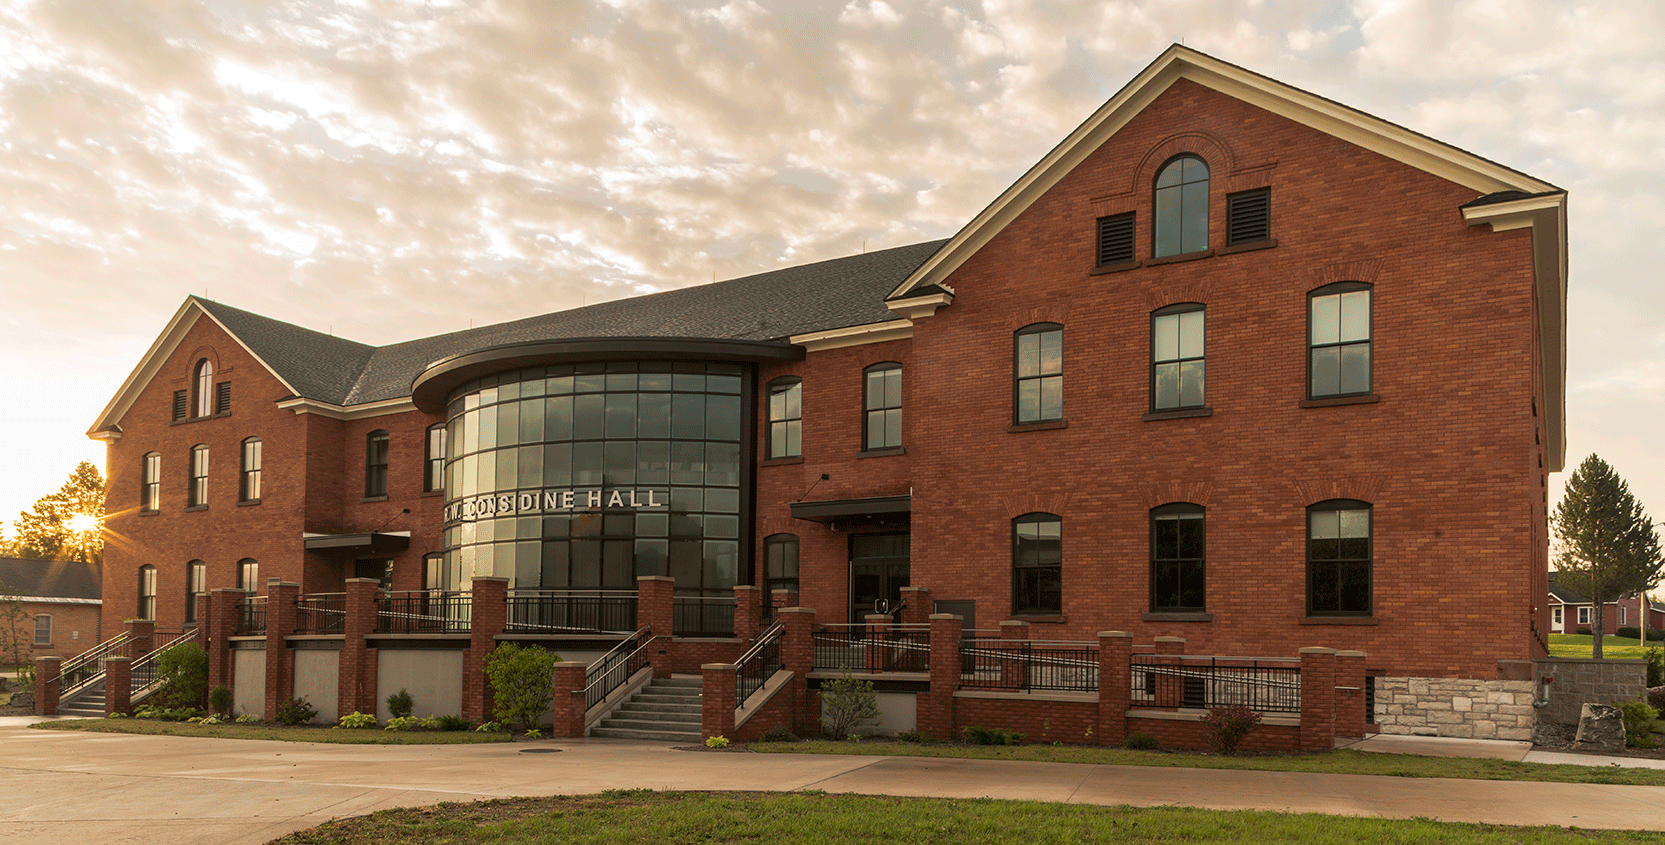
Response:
column 509, row 504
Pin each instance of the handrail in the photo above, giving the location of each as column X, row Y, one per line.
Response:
column 93, row 657
column 762, row 638
column 602, row 677
column 758, row 664
column 142, row 674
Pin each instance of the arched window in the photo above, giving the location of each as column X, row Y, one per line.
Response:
column 433, row 466
column 248, row 485
column 375, row 464
column 147, row 593
column 786, row 417
column 1178, row 569
column 882, row 419
column 150, row 488
column 1038, row 373
column 1038, row 564
column 1338, row 558
column 1182, row 207
column 199, row 476
column 205, row 388
column 196, row 584
column 1178, row 370
column 1338, row 328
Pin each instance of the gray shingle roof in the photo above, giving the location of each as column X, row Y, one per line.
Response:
column 60, row 579
column 826, row 295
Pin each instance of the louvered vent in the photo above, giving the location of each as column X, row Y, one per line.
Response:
column 1115, row 239
column 222, row 397
column 1249, row 216
column 181, row 404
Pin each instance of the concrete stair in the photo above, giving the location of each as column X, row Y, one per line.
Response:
column 89, row 703
column 666, row 710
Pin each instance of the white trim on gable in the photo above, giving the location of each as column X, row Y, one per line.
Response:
column 383, row 408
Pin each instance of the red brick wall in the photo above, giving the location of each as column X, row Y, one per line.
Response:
column 1071, row 723
column 688, row 656
column 1192, row 735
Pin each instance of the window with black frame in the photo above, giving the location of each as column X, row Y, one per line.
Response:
column 433, row 467
column 199, row 476
column 786, row 417
column 147, row 592
column 1037, row 564
column 204, row 388
column 196, row 584
column 1179, row 369
column 780, row 567
column 248, row 575
column 375, row 464
column 1339, row 329
column 150, row 489
column 1178, row 558
column 248, row 486
column 882, row 419
column 1038, row 373
column 1339, row 558
column 1181, row 207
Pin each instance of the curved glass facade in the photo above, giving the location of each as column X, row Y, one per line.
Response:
column 585, row 476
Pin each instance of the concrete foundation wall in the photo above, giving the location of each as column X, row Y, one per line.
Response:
column 248, row 682
column 1458, row 707
column 1585, row 681
column 317, row 677
column 432, row 676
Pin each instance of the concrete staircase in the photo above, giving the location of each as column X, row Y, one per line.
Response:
column 666, row 710
column 89, row 703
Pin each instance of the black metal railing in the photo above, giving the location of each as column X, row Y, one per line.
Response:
column 142, row 675
column 615, row 667
column 839, row 648
column 854, row 648
column 321, row 613
column 430, row 612
column 76, row 673
column 702, row 616
column 1028, row 665
column 758, row 664
column 1264, row 684
column 570, row 611
column 251, row 616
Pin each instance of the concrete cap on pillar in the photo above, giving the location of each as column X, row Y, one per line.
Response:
column 1351, row 654
column 1103, row 634
column 720, row 666
column 948, row 616
column 1317, row 650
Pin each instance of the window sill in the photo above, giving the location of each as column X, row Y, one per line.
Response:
column 1178, row 616
column 1041, row 618
column 184, row 420
column 248, row 503
column 1339, row 620
column 1102, row 269
column 1180, row 414
column 428, row 494
column 781, row 462
column 1251, row 246
column 1175, row 259
column 381, row 498
column 1332, row 401
column 1049, row 425
column 883, row 453
column 194, row 508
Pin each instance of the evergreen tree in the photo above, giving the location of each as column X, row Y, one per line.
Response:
column 1606, row 545
column 64, row 525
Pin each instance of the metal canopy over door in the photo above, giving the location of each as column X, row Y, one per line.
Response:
column 878, row 572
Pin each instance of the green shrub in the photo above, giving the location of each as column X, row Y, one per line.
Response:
column 1140, row 741
column 183, row 673
column 220, row 700
column 991, row 736
column 521, row 681
column 846, row 704
column 1628, row 631
column 713, row 741
column 1639, row 716
column 1227, row 726
column 1656, row 697
column 295, row 711
column 779, row 733
column 399, row 704
column 491, row 728
column 451, row 723
column 358, row 720
column 1655, row 656
column 1583, row 630
column 403, row 723
column 167, row 714
column 915, row 737
column 247, row 719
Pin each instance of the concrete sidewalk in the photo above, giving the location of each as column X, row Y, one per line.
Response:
column 118, row 788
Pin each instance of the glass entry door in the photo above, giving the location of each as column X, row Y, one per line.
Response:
column 878, row 572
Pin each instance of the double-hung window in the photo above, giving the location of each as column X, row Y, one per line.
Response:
column 375, row 464
column 248, row 575
column 248, row 483
column 780, row 567
column 1338, row 362
column 1178, row 561
column 150, row 489
column 43, row 629
column 433, row 467
column 786, row 417
column 1038, row 564
column 1338, row 558
column 1038, row 373
column 199, row 476
column 1179, row 370
column 882, row 422
column 147, row 592
column 196, row 584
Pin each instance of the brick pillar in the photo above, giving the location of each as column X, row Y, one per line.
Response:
column 355, row 690
column 784, row 598
column 717, row 698
column 280, row 661
column 488, row 614
column 1170, row 689
column 47, row 685
column 568, row 703
column 1349, row 695
column 222, row 607
column 1115, row 685
column 936, row 706
column 140, row 634
column 797, row 655
column 118, row 685
column 1014, row 641
column 916, row 606
column 748, row 611
column 1318, row 694
column 878, row 632
column 653, row 611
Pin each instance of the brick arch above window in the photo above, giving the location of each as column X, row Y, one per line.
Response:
column 1038, row 314
column 767, row 525
column 1162, row 296
column 1023, row 503
column 1365, row 270
column 1159, row 493
column 1364, row 488
column 1212, row 149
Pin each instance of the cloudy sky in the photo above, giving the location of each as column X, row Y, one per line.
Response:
column 387, row 170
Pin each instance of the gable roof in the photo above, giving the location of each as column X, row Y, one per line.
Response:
column 50, row 579
column 780, row 304
column 1506, row 198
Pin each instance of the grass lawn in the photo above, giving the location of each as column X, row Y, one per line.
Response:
column 341, row 736
column 1335, row 762
column 1612, row 648
column 637, row 816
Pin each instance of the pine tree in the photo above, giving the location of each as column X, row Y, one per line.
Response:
column 1606, row 545
column 63, row 525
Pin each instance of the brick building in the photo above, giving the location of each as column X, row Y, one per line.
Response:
column 59, row 600
column 1233, row 363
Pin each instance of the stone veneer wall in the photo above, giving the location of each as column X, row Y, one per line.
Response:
column 1581, row 680
column 1458, row 707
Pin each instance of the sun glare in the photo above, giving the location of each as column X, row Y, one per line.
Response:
column 83, row 522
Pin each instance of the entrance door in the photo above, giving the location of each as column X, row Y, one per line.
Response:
column 878, row 572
